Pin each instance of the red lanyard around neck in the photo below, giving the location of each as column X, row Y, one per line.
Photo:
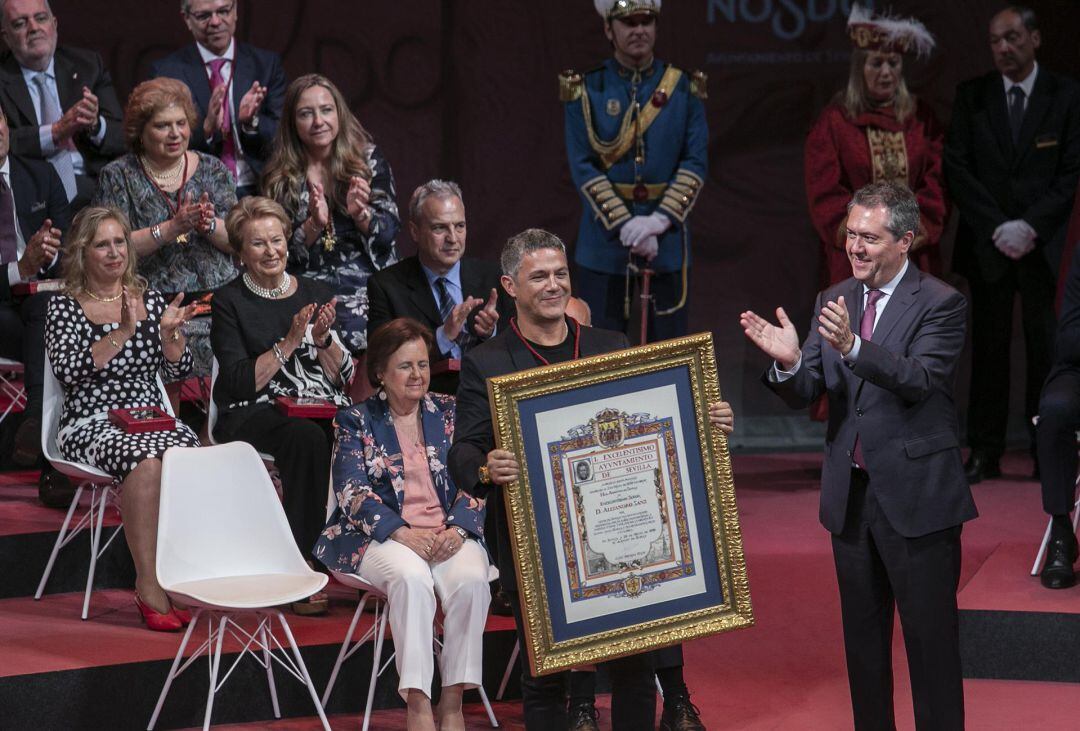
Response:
column 542, row 359
column 173, row 207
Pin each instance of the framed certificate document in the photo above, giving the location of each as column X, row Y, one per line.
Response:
column 623, row 523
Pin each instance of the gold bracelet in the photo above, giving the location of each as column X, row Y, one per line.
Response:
column 115, row 344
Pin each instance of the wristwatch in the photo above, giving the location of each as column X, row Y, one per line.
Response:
column 462, row 532
column 484, row 474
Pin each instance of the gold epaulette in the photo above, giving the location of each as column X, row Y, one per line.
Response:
column 570, row 85
column 681, row 194
column 699, row 84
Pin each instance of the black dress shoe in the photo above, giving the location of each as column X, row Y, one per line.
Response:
column 1061, row 553
column 980, row 467
column 680, row 715
column 55, row 489
column 500, row 604
column 582, row 716
column 27, row 447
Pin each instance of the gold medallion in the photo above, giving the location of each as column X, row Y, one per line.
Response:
column 329, row 242
column 182, row 239
column 614, row 107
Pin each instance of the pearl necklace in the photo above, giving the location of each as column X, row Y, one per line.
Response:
column 115, row 297
column 164, row 176
column 270, row 294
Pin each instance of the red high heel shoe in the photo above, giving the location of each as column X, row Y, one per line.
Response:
column 155, row 620
column 184, row 615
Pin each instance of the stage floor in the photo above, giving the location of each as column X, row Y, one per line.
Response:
column 787, row 672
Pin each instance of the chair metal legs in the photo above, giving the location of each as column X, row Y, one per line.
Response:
column 261, row 644
column 92, row 519
column 1041, row 555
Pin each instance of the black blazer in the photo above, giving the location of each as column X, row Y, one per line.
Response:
column 474, row 435
column 898, row 399
column 993, row 181
column 402, row 291
column 1067, row 349
column 250, row 64
column 39, row 194
column 74, row 68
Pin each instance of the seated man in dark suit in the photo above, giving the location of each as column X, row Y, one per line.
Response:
column 458, row 297
column 34, row 214
column 239, row 90
column 59, row 101
column 1055, row 436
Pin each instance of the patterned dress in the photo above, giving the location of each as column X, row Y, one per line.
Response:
column 197, row 266
column 127, row 381
column 355, row 256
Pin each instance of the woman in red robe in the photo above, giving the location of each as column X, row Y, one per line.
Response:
column 876, row 130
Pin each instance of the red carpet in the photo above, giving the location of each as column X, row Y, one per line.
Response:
column 787, row 672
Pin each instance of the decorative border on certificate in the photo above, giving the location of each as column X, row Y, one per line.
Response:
column 623, row 523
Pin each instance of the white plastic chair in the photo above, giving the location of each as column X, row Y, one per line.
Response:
column 225, row 548
column 11, row 385
column 376, row 633
column 103, row 486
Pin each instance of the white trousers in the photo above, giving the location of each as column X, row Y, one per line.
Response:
column 411, row 584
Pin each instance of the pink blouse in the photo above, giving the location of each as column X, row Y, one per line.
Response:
column 421, row 508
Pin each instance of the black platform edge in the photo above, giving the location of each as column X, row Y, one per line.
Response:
column 1041, row 646
column 23, row 557
column 121, row 697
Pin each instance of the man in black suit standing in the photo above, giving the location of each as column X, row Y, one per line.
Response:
column 34, row 213
column 59, row 101
column 893, row 492
column 1055, row 437
column 458, row 297
column 1012, row 159
column 239, row 90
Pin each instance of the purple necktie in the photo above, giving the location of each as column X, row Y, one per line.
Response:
column 866, row 329
column 228, row 146
column 9, row 247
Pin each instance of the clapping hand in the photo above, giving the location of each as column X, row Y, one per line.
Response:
column 318, row 210
column 174, row 317
column 188, row 215
column 129, row 314
column 356, row 200
column 40, row 250
column 324, row 318
column 214, row 115
column 781, row 343
column 299, row 325
column 835, row 326
column 250, row 103
column 487, row 316
column 455, row 321
column 207, row 214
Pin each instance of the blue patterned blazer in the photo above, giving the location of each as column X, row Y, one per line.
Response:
column 369, row 480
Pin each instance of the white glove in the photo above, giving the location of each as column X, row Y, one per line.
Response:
column 1015, row 238
column 638, row 228
column 647, row 248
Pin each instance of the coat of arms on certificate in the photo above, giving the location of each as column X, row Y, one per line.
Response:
column 623, row 524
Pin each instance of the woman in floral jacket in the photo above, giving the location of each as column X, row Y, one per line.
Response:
column 403, row 526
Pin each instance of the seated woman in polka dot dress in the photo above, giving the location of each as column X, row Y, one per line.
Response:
column 108, row 339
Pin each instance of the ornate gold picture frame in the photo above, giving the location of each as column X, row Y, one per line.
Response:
column 623, row 524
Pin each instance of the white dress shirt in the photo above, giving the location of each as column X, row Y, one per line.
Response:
column 45, row 135
column 244, row 173
column 13, row 275
column 1027, row 85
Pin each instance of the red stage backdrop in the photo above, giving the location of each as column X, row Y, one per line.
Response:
column 466, row 89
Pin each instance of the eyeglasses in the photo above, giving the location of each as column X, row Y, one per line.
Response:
column 205, row 16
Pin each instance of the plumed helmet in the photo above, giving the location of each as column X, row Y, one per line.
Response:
column 612, row 9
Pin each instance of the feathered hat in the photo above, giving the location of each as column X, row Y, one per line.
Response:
column 887, row 32
column 611, row 9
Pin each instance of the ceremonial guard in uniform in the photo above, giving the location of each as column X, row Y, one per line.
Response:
column 637, row 141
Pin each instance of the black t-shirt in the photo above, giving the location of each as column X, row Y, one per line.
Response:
column 556, row 353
